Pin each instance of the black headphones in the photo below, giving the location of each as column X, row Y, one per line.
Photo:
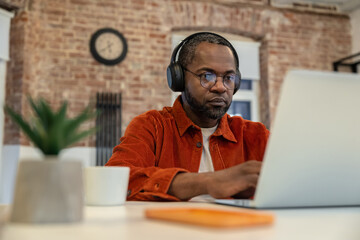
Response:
column 175, row 72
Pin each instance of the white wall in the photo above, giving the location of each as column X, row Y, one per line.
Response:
column 2, row 98
column 5, row 17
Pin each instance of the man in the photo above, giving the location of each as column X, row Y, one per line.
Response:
column 194, row 147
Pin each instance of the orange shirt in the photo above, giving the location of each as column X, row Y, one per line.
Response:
column 159, row 144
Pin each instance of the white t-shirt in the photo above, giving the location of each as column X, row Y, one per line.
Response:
column 206, row 164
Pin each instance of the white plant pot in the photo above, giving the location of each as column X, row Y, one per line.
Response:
column 49, row 191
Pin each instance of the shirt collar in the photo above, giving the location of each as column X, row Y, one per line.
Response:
column 183, row 122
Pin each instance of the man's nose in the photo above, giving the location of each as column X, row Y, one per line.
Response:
column 219, row 85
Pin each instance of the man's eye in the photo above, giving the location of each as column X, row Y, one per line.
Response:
column 230, row 77
column 208, row 76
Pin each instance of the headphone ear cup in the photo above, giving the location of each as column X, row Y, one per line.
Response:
column 237, row 84
column 175, row 77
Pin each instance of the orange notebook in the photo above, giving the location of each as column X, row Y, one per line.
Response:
column 210, row 217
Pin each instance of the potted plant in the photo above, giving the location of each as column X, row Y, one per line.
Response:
column 49, row 191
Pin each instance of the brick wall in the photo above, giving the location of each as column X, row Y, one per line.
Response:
column 50, row 55
column 303, row 40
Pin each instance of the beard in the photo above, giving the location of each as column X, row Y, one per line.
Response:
column 209, row 112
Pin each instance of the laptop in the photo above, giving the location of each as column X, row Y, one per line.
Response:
column 313, row 155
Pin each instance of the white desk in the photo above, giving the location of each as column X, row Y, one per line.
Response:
column 128, row 223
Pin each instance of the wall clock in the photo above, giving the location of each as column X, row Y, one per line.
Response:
column 108, row 46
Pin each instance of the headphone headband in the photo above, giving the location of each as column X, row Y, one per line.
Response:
column 182, row 43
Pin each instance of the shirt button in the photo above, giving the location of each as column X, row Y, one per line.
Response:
column 129, row 192
column 198, row 144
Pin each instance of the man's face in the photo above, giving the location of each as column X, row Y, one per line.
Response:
column 211, row 103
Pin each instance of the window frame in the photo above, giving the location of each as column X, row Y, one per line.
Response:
column 251, row 96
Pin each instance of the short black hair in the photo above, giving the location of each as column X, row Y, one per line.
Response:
column 187, row 51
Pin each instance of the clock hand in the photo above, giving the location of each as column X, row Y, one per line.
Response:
column 108, row 46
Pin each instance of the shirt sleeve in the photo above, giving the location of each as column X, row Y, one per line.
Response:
column 255, row 139
column 137, row 151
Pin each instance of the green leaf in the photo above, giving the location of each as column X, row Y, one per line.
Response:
column 32, row 134
column 79, row 136
column 47, row 116
column 39, row 112
column 34, row 106
column 61, row 115
column 74, row 123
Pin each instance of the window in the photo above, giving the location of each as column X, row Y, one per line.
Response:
column 240, row 108
column 245, row 103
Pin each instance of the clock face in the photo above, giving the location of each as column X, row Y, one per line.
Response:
column 108, row 46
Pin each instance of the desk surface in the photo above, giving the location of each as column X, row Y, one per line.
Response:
column 128, row 222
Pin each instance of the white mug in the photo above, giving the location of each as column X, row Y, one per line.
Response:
column 105, row 186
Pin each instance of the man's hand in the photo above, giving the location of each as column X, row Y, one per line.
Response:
column 239, row 181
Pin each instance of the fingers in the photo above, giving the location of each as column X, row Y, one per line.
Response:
column 250, row 167
column 252, row 180
column 244, row 194
column 239, row 179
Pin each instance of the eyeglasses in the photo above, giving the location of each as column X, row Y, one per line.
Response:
column 208, row 79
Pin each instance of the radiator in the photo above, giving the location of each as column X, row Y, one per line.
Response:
column 108, row 123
